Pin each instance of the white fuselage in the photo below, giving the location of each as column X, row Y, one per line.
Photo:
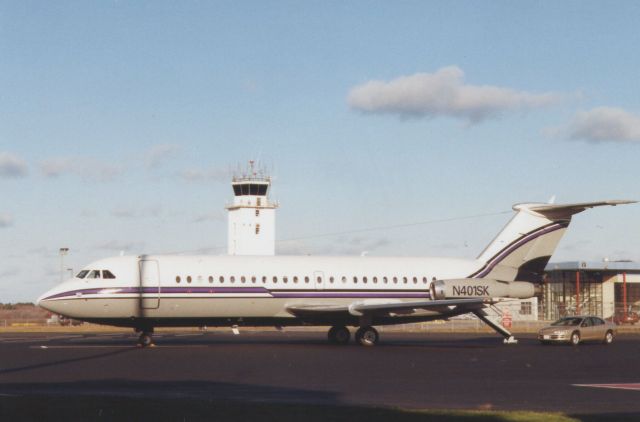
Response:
column 219, row 290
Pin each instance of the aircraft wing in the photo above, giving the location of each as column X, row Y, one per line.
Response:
column 377, row 307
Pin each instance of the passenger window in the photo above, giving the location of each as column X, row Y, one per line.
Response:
column 232, row 279
column 253, row 279
column 188, row 279
column 385, row 280
column 395, row 280
column 295, row 279
column 221, row 279
column 285, row 279
column 275, row 279
column 415, row 280
column 375, row 280
column 210, row 279
column 94, row 274
column 82, row 274
column 344, row 279
column 177, row 279
column 364, row 280
column 264, row 279
column 107, row 274
column 404, row 280
column 331, row 279
column 306, row 279
column 243, row 279
column 424, row 280
column 355, row 280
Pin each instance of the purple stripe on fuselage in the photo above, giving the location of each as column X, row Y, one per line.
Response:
column 240, row 290
column 508, row 250
column 349, row 295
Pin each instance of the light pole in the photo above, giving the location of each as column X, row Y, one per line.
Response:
column 63, row 252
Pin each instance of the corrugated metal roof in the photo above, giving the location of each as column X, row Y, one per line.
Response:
column 594, row 266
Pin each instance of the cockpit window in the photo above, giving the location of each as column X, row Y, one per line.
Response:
column 82, row 274
column 107, row 274
column 94, row 274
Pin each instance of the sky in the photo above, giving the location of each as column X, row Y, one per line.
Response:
column 122, row 122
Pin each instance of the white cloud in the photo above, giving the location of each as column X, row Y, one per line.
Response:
column 118, row 245
column 124, row 213
column 12, row 166
column 9, row 272
column 198, row 175
column 442, row 93
column 212, row 216
column 55, row 167
column 6, row 220
column 154, row 211
column 89, row 169
column 158, row 154
column 605, row 124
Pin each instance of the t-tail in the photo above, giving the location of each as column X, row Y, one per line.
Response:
column 523, row 248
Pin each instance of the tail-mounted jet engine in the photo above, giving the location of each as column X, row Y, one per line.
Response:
column 480, row 287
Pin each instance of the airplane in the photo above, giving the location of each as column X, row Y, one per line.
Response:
column 148, row 291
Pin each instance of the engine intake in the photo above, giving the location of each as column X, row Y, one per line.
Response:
column 480, row 287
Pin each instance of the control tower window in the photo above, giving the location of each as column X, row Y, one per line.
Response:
column 256, row 189
column 107, row 274
column 82, row 274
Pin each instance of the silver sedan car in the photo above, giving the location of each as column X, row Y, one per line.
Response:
column 576, row 329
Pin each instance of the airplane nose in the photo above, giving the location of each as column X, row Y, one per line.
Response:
column 42, row 302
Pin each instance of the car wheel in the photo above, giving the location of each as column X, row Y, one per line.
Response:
column 608, row 338
column 575, row 338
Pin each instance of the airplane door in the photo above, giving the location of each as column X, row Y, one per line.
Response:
column 318, row 279
column 149, row 284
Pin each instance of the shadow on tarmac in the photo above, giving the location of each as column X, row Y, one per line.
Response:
column 217, row 401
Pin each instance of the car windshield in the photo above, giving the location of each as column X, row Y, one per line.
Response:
column 570, row 321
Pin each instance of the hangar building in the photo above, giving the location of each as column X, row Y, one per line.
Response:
column 605, row 289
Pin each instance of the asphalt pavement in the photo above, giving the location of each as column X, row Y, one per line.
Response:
column 411, row 370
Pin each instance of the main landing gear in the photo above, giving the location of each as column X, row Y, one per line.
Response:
column 339, row 335
column 365, row 336
column 146, row 338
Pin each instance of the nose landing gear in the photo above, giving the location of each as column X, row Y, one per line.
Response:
column 146, row 337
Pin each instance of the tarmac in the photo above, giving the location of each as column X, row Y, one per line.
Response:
column 408, row 370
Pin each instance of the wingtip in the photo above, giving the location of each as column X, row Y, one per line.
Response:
column 615, row 202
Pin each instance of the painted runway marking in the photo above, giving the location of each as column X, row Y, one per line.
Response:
column 627, row 386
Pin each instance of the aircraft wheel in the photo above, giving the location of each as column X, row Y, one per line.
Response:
column 339, row 335
column 367, row 336
column 145, row 340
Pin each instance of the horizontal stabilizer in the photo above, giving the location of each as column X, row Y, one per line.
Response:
column 563, row 211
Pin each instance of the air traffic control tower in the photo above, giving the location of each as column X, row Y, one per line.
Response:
column 252, row 216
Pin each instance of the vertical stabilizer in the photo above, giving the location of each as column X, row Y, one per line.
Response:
column 524, row 246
